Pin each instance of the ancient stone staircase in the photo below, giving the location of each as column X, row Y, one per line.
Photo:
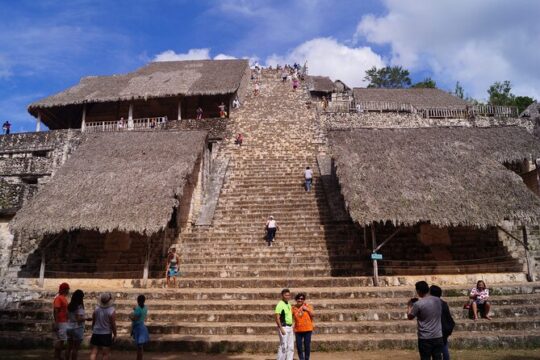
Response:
column 231, row 280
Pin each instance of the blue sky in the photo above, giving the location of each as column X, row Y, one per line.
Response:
column 47, row 46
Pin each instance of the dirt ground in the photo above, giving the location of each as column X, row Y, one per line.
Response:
column 531, row 354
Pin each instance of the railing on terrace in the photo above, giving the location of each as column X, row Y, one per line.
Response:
column 134, row 124
column 435, row 112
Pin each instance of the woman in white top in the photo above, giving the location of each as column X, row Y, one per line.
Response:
column 271, row 228
column 75, row 325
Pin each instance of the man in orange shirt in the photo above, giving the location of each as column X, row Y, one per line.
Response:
column 303, row 325
column 60, row 312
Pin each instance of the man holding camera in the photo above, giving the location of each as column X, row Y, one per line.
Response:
column 427, row 310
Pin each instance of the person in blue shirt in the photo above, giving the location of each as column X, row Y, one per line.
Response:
column 139, row 332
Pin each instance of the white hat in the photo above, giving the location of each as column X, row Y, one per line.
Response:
column 105, row 300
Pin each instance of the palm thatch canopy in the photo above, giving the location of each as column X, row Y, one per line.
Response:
column 128, row 181
column 155, row 80
column 320, row 84
column 532, row 111
column 418, row 97
column 445, row 176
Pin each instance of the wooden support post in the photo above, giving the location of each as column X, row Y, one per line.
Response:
column 146, row 265
column 375, row 265
column 83, row 120
column 38, row 122
column 530, row 276
column 180, row 109
column 130, row 117
column 42, row 269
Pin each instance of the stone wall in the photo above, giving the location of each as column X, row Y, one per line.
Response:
column 516, row 248
column 27, row 160
column 407, row 120
column 216, row 127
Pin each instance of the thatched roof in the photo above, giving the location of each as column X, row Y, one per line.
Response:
column 129, row 181
column 157, row 79
column 418, row 97
column 447, row 176
column 532, row 111
column 320, row 84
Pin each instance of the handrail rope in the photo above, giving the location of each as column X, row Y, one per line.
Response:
column 452, row 261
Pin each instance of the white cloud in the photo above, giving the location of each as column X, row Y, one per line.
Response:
column 223, row 57
column 326, row 56
column 192, row 54
column 476, row 42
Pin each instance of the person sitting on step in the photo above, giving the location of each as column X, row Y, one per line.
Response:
column 479, row 296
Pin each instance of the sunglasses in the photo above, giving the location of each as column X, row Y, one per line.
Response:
column 301, row 299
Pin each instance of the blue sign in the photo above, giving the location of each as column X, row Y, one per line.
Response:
column 375, row 256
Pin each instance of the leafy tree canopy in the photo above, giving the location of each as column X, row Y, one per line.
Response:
column 394, row 77
column 500, row 93
column 426, row 83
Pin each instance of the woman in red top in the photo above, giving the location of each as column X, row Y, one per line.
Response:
column 303, row 325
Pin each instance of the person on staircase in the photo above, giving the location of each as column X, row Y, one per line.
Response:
column 199, row 112
column 308, row 178
column 256, row 89
column 103, row 327
column 60, row 314
column 271, row 228
column 75, row 327
column 171, row 270
column 303, row 326
column 139, row 332
column 284, row 320
column 222, row 110
column 447, row 322
column 239, row 139
column 479, row 296
column 427, row 310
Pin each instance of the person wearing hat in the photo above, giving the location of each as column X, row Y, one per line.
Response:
column 103, row 327
column 60, row 313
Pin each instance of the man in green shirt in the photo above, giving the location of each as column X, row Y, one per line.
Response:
column 284, row 321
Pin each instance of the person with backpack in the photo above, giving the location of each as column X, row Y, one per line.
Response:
column 447, row 322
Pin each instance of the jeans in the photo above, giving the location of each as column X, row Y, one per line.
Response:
column 270, row 234
column 303, row 345
column 286, row 344
column 431, row 349
column 445, row 353
column 308, row 184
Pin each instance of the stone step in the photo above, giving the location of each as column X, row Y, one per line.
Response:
column 157, row 317
column 371, row 304
column 269, row 328
column 268, row 344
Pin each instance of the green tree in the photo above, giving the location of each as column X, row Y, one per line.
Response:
column 426, row 83
column 458, row 91
column 522, row 102
column 394, row 77
column 500, row 94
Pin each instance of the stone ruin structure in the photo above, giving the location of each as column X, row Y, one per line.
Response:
column 440, row 189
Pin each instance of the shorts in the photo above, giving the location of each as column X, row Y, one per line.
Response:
column 172, row 272
column 102, row 340
column 140, row 334
column 75, row 334
column 61, row 332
